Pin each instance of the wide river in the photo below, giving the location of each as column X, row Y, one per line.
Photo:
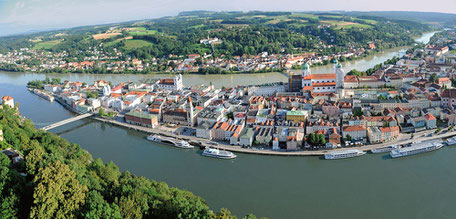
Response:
column 371, row 186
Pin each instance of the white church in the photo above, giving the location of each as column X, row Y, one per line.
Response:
column 323, row 83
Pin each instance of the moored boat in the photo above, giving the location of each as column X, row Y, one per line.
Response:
column 344, row 154
column 170, row 141
column 213, row 152
column 451, row 141
column 417, row 148
column 384, row 149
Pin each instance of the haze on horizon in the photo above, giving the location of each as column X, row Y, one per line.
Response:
column 20, row 16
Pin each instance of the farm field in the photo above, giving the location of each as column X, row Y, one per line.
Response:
column 134, row 44
column 105, row 35
column 46, row 44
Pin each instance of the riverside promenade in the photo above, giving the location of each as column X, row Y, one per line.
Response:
column 239, row 149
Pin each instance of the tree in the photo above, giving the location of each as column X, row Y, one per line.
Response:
column 34, row 159
column 321, row 139
column 433, row 78
column 101, row 112
column 224, row 214
column 97, row 207
column 58, row 194
column 357, row 112
column 348, row 138
column 438, row 130
column 354, row 72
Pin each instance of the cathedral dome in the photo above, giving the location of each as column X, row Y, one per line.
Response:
column 305, row 66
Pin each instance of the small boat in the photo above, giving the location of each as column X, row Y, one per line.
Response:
column 451, row 141
column 384, row 149
column 344, row 154
column 213, row 152
column 184, row 144
column 170, row 141
column 156, row 138
column 417, row 148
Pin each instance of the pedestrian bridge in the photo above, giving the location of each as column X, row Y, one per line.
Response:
column 66, row 121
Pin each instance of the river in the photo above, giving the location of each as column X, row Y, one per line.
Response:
column 371, row 186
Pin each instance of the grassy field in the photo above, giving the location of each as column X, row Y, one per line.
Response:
column 134, row 44
column 114, row 42
column 304, row 15
column 46, row 44
column 105, row 35
column 140, row 31
column 279, row 19
column 369, row 21
column 36, row 40
column 345, row 24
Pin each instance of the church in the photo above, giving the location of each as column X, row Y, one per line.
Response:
column 323, row 83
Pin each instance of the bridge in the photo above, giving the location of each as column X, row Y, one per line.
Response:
column 66, row 121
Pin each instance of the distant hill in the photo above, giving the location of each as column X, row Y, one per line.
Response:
column 238, row 33
column 425, row 17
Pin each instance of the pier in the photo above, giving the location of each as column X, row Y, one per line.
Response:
column 66, row 121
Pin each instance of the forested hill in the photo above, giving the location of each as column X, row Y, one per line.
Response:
column 58, row 179
column 238, row 33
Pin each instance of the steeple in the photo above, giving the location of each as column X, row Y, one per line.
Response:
column 305, row 70
column 339, row 79
column 339, row 74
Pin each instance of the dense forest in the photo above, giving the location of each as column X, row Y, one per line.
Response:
column 58, row 179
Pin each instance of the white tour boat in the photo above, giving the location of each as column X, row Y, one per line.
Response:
column 417, row 148
column 384, row 149
column 344, row 154
column 213, row 152
column 170, row 141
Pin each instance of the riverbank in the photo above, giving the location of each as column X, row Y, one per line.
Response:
column 232, row 148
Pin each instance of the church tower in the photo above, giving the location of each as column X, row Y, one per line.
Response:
column 189, row 109
column 339, row 78
column 305, row 70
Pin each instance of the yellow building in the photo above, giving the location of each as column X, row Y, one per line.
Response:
column 297, row 116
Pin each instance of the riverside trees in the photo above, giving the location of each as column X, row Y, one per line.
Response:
column 57, row 179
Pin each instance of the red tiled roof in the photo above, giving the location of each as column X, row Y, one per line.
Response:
column 429, row 117
column 324, row 84
column 6, row 98
column 354, row 128
column 320, row 76
column 350, row 79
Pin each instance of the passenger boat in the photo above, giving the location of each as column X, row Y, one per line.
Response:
column 344, row 154
column 213, row 152
column 384, row 149
column 173, row 142
column 451, row 141
column 417, row 148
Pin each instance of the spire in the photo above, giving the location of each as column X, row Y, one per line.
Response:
column 305, row 70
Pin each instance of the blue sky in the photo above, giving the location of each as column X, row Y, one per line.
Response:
column 18, row 16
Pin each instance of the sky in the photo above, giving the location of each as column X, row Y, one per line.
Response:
column 19, row 16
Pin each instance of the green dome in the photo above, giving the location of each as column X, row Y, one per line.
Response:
column 305, row 66
column 339, row 65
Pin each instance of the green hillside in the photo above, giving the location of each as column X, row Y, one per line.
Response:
column 58, row 179
column 239, row 33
